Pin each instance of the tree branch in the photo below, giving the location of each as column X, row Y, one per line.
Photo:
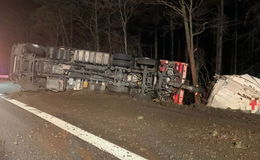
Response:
column 174, row 7
column 201, row 30
column 197, row 5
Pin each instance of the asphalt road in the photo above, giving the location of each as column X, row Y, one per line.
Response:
column 27, row 137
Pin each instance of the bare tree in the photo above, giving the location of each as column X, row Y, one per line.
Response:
column 126, row 10
column 220, row 29
column 47, row 28
column 110, row 9
column 96, row 25
column 186, row 9
column 52, row 23
column 87, row 16
column 172, row 37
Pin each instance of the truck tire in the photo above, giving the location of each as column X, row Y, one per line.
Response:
column 122, row 63
column 120, row 56
column 35, row 49
column 146, row 61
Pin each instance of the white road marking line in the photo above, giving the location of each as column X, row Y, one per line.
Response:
column 96, row 141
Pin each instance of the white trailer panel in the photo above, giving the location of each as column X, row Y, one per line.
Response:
column 240, row 92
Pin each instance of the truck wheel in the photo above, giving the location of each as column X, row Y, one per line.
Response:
column 118, row 89
column 125, row 57
column 122, row 63
column 35, row 49
column 146, row 61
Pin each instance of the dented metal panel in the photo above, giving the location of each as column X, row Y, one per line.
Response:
column 236, row 92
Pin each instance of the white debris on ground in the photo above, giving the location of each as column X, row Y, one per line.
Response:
column 238, row 92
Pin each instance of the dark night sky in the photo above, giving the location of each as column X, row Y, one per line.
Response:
column 12, row 13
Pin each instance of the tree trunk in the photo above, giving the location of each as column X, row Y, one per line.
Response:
column 235, row 56
column 179, row 50
column 140, row 43
column 57, row 36
column 96, row 27
column 172, row 40
column 125, row 37
column 219, row 46
column 155, row 44
column 164, row 47
column 253, row 44
column 190, row 46
column 71, row 30
column 65, row 37
column 109, row 33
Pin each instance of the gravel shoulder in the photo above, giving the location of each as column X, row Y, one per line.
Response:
column 152, row 130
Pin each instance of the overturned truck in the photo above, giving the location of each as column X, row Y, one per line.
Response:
column 60, row 69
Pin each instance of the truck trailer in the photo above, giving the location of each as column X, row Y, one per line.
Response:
column 59, row 69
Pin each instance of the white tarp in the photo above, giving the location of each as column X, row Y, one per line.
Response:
column 236, row 92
